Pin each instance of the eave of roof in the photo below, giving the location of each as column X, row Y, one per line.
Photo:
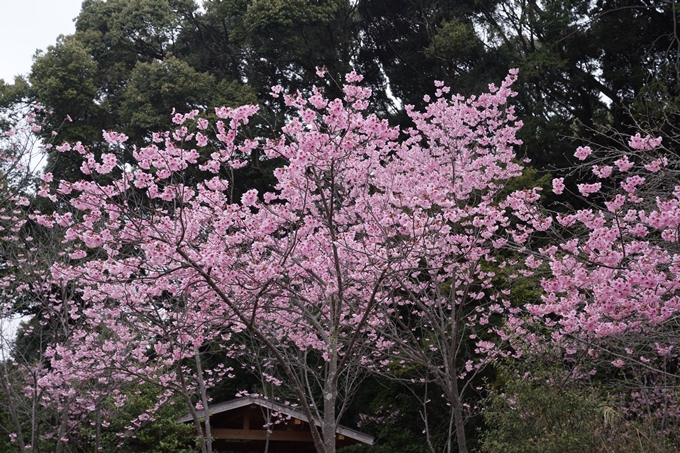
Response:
column 283, row 409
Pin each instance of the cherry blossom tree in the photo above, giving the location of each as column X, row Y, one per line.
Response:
column 439, row 310
column 24, row 286
column 364, row 221
column 47, row 406
column 612, row 284
column 620, row 273
column 35, row 306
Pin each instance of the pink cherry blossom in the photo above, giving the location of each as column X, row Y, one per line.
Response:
column 644, row 144
column 624, row 164
column 588, row 189
column 582, row 152
column 558, row 186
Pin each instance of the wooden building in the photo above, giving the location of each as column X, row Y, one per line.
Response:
column 240, row 425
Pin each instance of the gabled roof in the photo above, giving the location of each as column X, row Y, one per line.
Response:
column 276, row 407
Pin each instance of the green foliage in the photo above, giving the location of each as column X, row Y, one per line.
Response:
column 455, row 42
column 131, row 30
column 272, row 17
column 10, row 95
column 64, row 79
column 161, row 435
column 156, row 88
column 537, row 407
column 541, row 414
column 414, row 43
column 529, row 179
column 391, row 413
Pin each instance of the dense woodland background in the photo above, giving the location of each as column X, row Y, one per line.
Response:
column 589, row 72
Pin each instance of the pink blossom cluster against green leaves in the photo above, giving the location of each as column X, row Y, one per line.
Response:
column 621, row 271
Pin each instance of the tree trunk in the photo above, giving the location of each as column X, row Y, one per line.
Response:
column 203, row 393
column 458, row 416
column 330, row 395
column 63, row 426
column 192, row 409
column 6, row 386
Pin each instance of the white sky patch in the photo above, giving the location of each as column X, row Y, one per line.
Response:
column 398, row 105
column 29, row 25
column 8, row 332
